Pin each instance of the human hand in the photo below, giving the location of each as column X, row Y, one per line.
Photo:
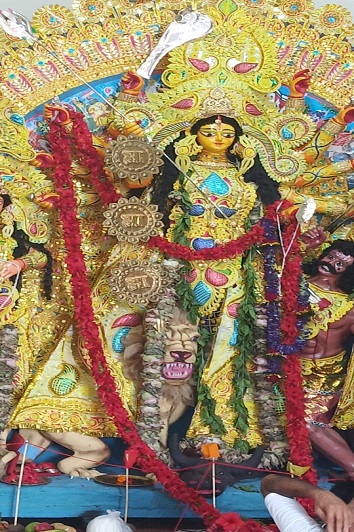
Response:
column 10, row 268
column 332, row 511
column 43, row 160
column 48, row 200
column 314, row 237
column 345, row 115
column 299, row 84
column 132, row 83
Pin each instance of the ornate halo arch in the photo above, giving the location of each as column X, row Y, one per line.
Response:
column 99, row 40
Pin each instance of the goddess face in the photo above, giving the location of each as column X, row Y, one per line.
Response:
column 216, row 137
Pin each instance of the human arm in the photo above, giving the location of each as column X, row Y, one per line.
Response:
column 287, row 486
column 332, row 206
column 316, row 174
column 132, row 85
column 329, row 508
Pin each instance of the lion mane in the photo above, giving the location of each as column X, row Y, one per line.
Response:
column 182, row 335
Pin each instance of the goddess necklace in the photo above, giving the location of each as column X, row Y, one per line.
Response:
column 210, row 159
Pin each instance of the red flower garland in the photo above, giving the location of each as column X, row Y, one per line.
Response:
column 226, row 251
column 85, row 319
column 296, row 428
column 233, row 248
column 82, row 138
column 231, row 522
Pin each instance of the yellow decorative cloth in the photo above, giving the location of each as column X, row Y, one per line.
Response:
column 344, row 414
column 328, row 307
column 329, row 382
column 55, row 390
column 221, row 389
column 323, row 381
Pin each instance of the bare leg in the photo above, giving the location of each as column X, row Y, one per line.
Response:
column 332, row 445
column 35, row 438
column 5, row 455
column 88, row 453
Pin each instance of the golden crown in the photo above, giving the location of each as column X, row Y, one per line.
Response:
column 99, row 39
column 216, row 104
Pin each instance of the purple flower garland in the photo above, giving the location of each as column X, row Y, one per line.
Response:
column 272, row 294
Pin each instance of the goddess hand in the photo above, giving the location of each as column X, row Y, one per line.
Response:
column 314, row 237
column 133, row 128
column 58, row 114
column 345, row 115
column 299, row 84
column 10, row 268
column 132, row 83
column 49, row 200
column 43, row 160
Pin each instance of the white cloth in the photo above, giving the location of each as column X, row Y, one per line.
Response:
column 289, row 515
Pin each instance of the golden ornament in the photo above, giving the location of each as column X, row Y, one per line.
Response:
column 139, row 282
column 133, row 158
column 132, row 220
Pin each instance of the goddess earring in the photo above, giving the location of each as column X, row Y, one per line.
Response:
column 246, row 149
column 185, row 149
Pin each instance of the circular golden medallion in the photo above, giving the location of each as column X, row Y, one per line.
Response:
column 134, row 158
column 132, row 220
column 139, row 282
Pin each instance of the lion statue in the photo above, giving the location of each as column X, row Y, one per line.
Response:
column 177, row 392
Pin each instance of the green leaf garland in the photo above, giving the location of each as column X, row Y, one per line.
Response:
column 208, row 404
column 246, row 342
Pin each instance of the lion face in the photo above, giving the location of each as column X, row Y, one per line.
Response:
column 181, row 349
